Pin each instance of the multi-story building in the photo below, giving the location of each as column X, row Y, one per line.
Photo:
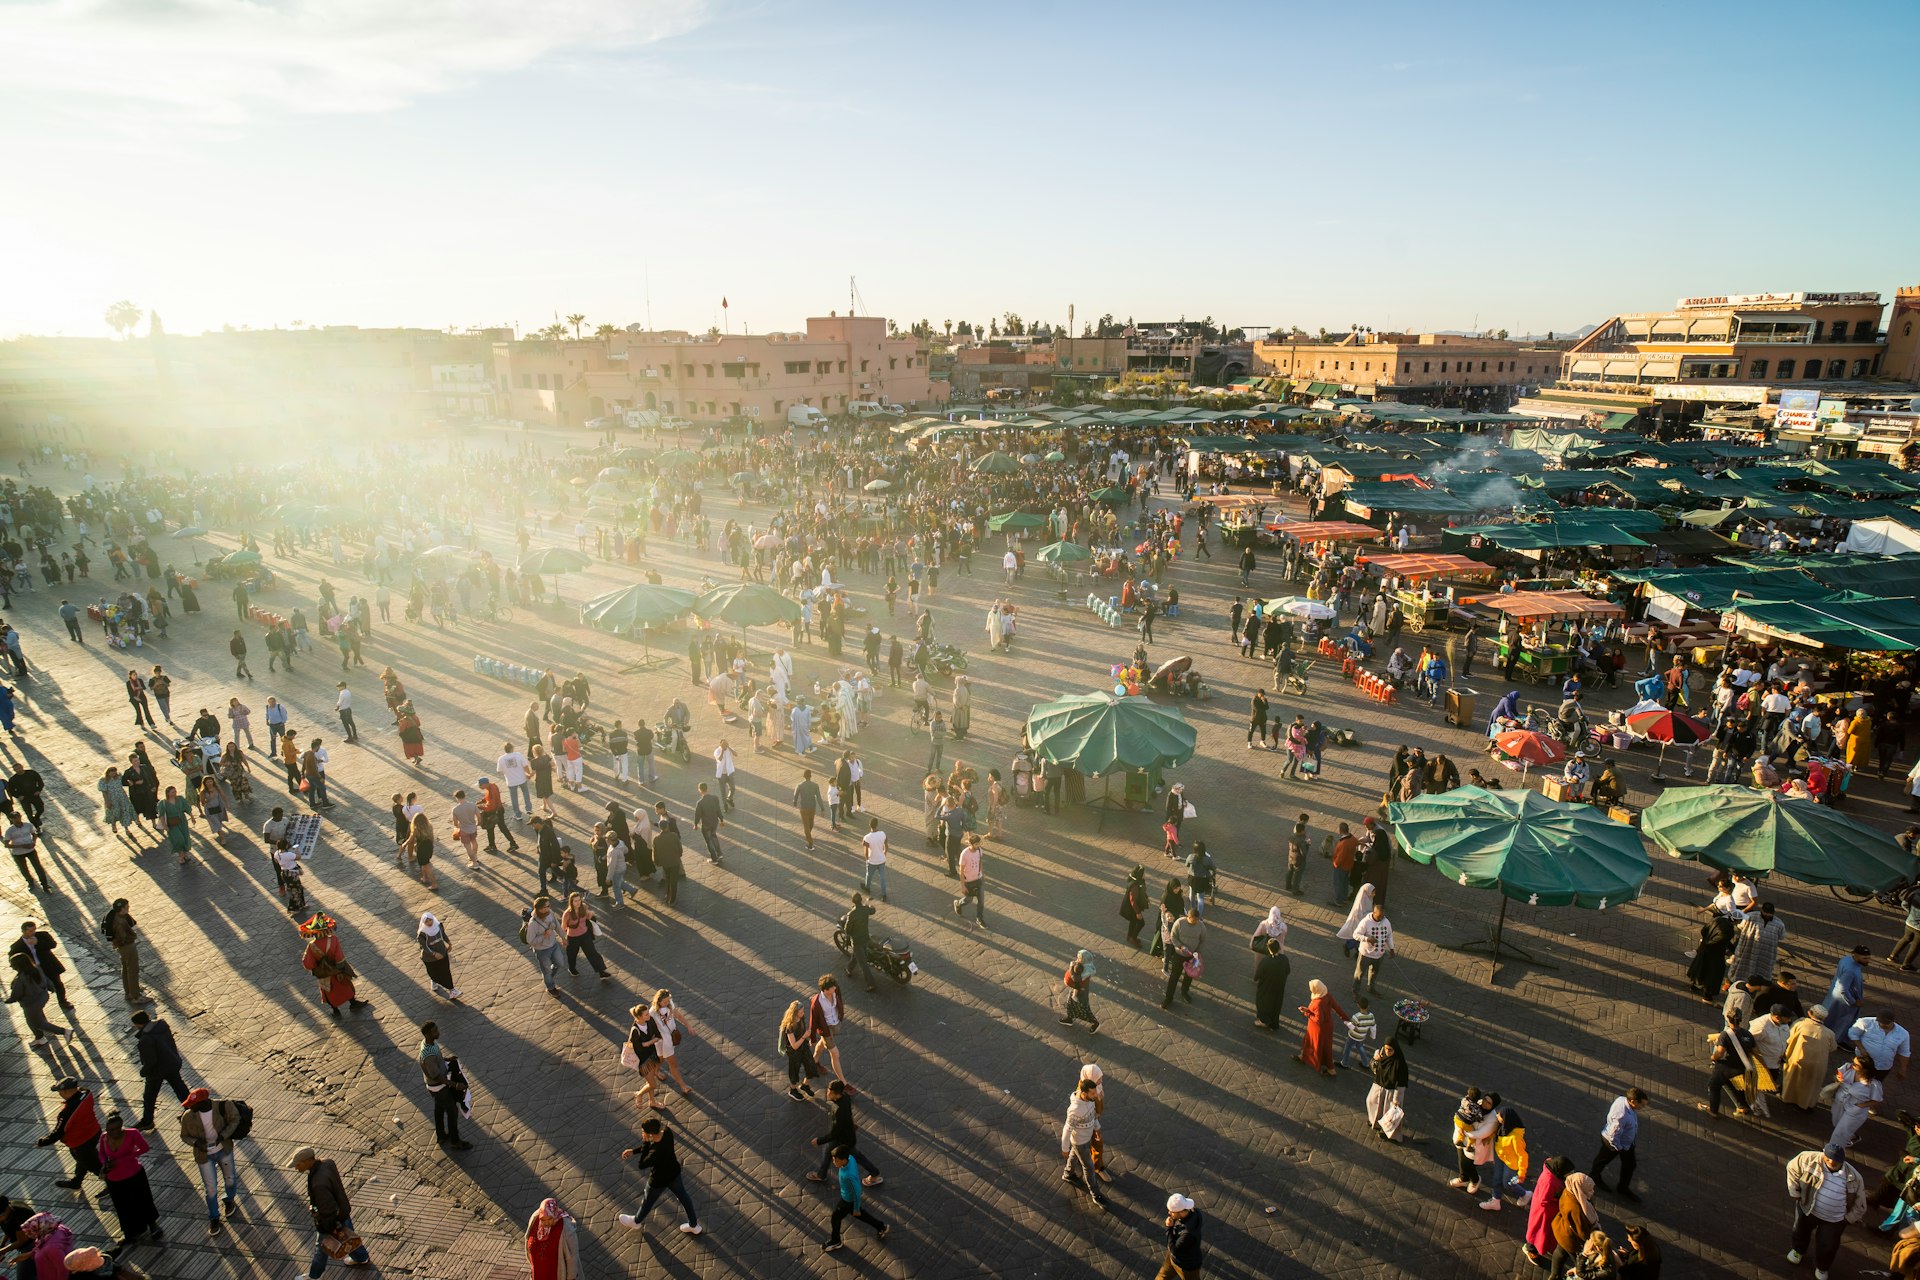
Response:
column 1416, row 368
column 1170, row 347
column 1018, row 364
column 714, row 378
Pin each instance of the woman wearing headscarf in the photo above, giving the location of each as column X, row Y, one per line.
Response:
column 1316, row 1047
column 1542, row 1209
column 1859, row 739
column 553, row 1245
column 1362, row 908
column 175, row 812
column 1573, row 1222
column 1272, row 927
column 48, row 1242
column 1091, row 1074
column 1270, row 983
column 1810, row 1042
column 1708, row 972
column 1508, row 708
column 436, row 954
column 117, row 809
column 127, row 1186
column 1078, row 982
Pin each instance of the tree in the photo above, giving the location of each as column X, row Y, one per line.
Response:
column 605, row 331
column 1013, row 325
column 1502, row 335
column 123, row 317
column 1107, row 328
column 993, row 328
column 1323, row 333
column 576, row 320
column 966, row 329
column 555, row 332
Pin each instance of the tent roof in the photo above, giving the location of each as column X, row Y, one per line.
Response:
column 1531, row 606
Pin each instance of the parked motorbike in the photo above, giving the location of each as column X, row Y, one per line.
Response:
column 891, row 958
column 670, row 743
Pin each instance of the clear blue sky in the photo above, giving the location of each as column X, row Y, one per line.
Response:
column 456, row 162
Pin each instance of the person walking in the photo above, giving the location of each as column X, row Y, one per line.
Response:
column 465, row 819
column 709, row 817
column 541, row 931
column 936, row 742
column 553, row 1243
column 343, row 707
column 826, row 1014
column 208, row 1128
column 77, row 1128
column 332, row 1212
column 160, row 1063
column 973, row 882
column 39, row 947
column 436, row 955
column 842, row 1135
column 667, row 852
column 797, row 1045
column 1387, row 1094
column 664, row 1174
column 419, row 848
column 1375, row 936
column 1076, row 1139
column 440, row 1070
column 1270, row 976
column 1617, row 1141
column 1134, row 903
column 1828, row 1193
column 1186, row 1251
column 123, row 932
column 580, row 927
column 873, row 849
column 127, row 1184
column 806, row 798
column 1184, row 944
column 493, row 817
column 1077, row 982
column 847, row 1182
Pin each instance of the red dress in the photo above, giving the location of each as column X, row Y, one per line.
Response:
column 543, row 1248
column 1316, row 1050
column 334, row 989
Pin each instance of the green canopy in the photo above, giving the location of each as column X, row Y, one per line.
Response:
column 1055, row 455
column 998, row 464
column 1016, row 520
column 1113, row 496
column 1744, row 829
column 240, row 557
column 1098, row 733
column 747, row 604
column 636, row 607
column 1867, row 626
column 1534, row 850
column 1062, row 553
column 552, row 560
column 676, row 458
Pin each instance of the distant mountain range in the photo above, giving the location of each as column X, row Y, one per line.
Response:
column 1559, row 335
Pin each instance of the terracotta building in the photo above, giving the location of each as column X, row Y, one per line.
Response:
column 1423, row 368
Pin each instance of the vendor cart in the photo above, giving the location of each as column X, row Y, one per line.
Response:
column 1537, row 665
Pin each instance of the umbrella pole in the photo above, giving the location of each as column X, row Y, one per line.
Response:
column 1497, row 947
column 1659, row 768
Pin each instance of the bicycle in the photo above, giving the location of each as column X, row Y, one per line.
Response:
column 1896, row 898
column 495, row 610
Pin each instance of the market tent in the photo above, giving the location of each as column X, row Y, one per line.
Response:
column 1365, row 497
column 1686, row 542
column 1537, row 606
column 1112, row 496
column 1016, row 520
column 1878, row 577
column 1098, row 733
column 998, row 464
column 1062, row 553
column 1714, row 588
column 1864, row 626
column 636, row 608
column 1531, row 849
column 1882, row 538
column 1415, row 567
column 1761, row 832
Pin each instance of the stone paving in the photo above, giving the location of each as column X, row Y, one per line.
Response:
column 964, row 1076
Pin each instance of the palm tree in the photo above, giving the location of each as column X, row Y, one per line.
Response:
column 576, row 320
column 122, row 317
column 605, row 331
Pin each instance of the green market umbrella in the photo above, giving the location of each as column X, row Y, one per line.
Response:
column 1098, row 733
column 614, row 473
column 676, row 458
column 1113, row 496
column 747, row 604
column 551, row 562
column 637, row 607
column 1534, row 850
column 1029, row 459
column 1056, row 456
column 1016, row 520
column 877, row 486
column 192, row 533
column 1062, row 553
column 998, row 464
column 1762, row 832
column 241, row 557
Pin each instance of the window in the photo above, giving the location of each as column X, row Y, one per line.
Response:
column 777, row 406
column 1859, row 368
column 1426, row 366
column 1443, row 366
column 543, row 382
column 1836, row 368
column 1407, row 367
column 1813, row 369
column 708, row 369
column 843, row 366
column 526, row 380
column 1758, row 369
column 825, row 366
column 689, row 370
column 1818, row 325
column 666, row 406
column 895, row 364
column 863, row 366
column 1483, row 366
column 1786, row 369
column 1839, row 330
column 796, row 366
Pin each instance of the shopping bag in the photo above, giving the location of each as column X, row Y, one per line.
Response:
column 1392, row 1119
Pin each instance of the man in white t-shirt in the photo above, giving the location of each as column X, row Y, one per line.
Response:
column 513, row 771
column 1011, row 563
column 874, row 844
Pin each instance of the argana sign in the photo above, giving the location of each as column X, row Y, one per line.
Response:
column 1776, row 299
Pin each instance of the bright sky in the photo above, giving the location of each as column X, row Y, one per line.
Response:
column 465, row 162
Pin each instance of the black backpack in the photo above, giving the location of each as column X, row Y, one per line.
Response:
column 245, row 1125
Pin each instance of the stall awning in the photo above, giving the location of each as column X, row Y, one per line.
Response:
column 1541, row 606
column 1865, row 626
column 1435, row 565
column 1327, row 531
column 1687, row 541
column 1615, row 421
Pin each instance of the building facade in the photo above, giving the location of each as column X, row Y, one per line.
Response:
column 714, row 378
column 1170, row 348
column 1423, row 368
column 1751, row 341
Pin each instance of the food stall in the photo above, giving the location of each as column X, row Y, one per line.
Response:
column 1429, row 586
column 1538, row 658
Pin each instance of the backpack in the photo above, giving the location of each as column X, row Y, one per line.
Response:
column 244, row 1125
column 525, row 916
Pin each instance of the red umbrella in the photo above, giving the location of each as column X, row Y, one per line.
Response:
column 1668, row 726
column 1529, row 747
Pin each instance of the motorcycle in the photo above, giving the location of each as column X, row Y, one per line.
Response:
column 941, row 659
column 896, row 961
column 670, row 743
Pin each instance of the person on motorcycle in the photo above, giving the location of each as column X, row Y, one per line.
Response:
column 679, row 717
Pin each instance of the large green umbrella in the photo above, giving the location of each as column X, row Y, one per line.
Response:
column 1534, row 850
column 1062, row 553
column 998, row 464
column 636, row 608
column 1761, row 832
column 1113, row 497
column 551, row 562
column 1016, row 520
column 747, row 604
column 676, row 458
column 1098, row 733
column 241, row 557
column 1056, row 456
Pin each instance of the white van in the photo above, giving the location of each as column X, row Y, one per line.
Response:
column 805, row 415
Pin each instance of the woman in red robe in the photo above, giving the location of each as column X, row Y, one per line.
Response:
column 553, row 1246
column 1316, row 1050
column 326, row 960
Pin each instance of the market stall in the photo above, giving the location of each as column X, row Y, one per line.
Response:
column 1524, row 634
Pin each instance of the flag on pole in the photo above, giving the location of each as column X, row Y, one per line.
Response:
column 723, row 304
